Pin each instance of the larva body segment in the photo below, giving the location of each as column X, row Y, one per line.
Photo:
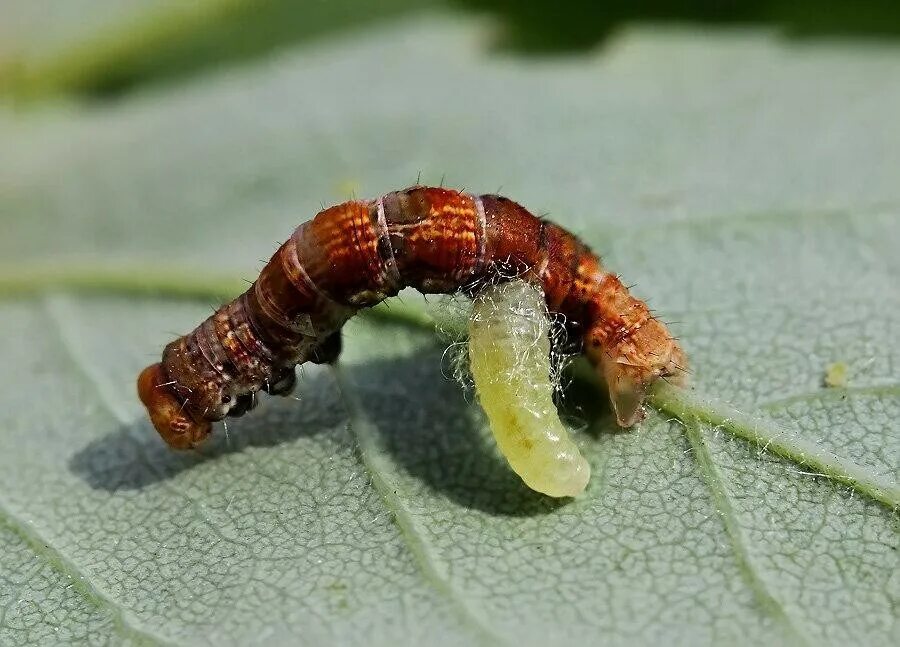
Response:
column 509, row 357
column 356, row 254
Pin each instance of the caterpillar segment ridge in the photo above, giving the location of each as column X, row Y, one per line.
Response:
column 356, row 254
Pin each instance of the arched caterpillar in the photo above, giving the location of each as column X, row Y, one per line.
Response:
column 356, row 254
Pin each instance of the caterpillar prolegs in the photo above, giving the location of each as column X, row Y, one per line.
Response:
column 358, row 253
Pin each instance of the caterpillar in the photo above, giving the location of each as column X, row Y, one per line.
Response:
column 356, row 254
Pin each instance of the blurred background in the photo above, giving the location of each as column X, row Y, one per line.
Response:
column 107, row 47
column 250, row 114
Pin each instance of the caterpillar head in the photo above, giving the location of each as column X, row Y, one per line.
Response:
column 174, row 421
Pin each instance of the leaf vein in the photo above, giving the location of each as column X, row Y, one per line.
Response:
column 110, row 404
column 417, row 546
column 813, row 396
column 42, row 548
column 106, row 281
column 715, row 483
column 685, row 405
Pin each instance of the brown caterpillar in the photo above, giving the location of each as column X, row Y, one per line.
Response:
column 355, row 255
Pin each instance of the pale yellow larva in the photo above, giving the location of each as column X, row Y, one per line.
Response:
column 509, row 357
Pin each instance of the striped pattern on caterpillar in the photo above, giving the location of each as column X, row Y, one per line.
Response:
column 358, row 253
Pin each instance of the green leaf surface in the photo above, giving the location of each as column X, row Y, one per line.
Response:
column 747, row 186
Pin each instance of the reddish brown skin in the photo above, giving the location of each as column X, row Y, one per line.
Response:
column 355, row 255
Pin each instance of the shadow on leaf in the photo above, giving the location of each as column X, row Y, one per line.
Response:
column 134, row 457
column 420, row 418
column 426, row 425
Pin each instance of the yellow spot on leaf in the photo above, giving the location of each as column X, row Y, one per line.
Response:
column 836, row 375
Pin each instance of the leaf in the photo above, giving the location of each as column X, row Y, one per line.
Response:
column 747, row 186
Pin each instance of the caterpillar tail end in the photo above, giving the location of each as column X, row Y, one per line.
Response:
column 168, row 414
column 628, row 383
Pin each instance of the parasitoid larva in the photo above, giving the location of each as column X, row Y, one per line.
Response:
column 356, row 254
column 509, row 357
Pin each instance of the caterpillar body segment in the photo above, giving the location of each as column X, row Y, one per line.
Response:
column 509, row 357
column 356, row 254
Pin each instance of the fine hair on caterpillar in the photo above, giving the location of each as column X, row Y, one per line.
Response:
column 355, row 255
column 456, row 313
